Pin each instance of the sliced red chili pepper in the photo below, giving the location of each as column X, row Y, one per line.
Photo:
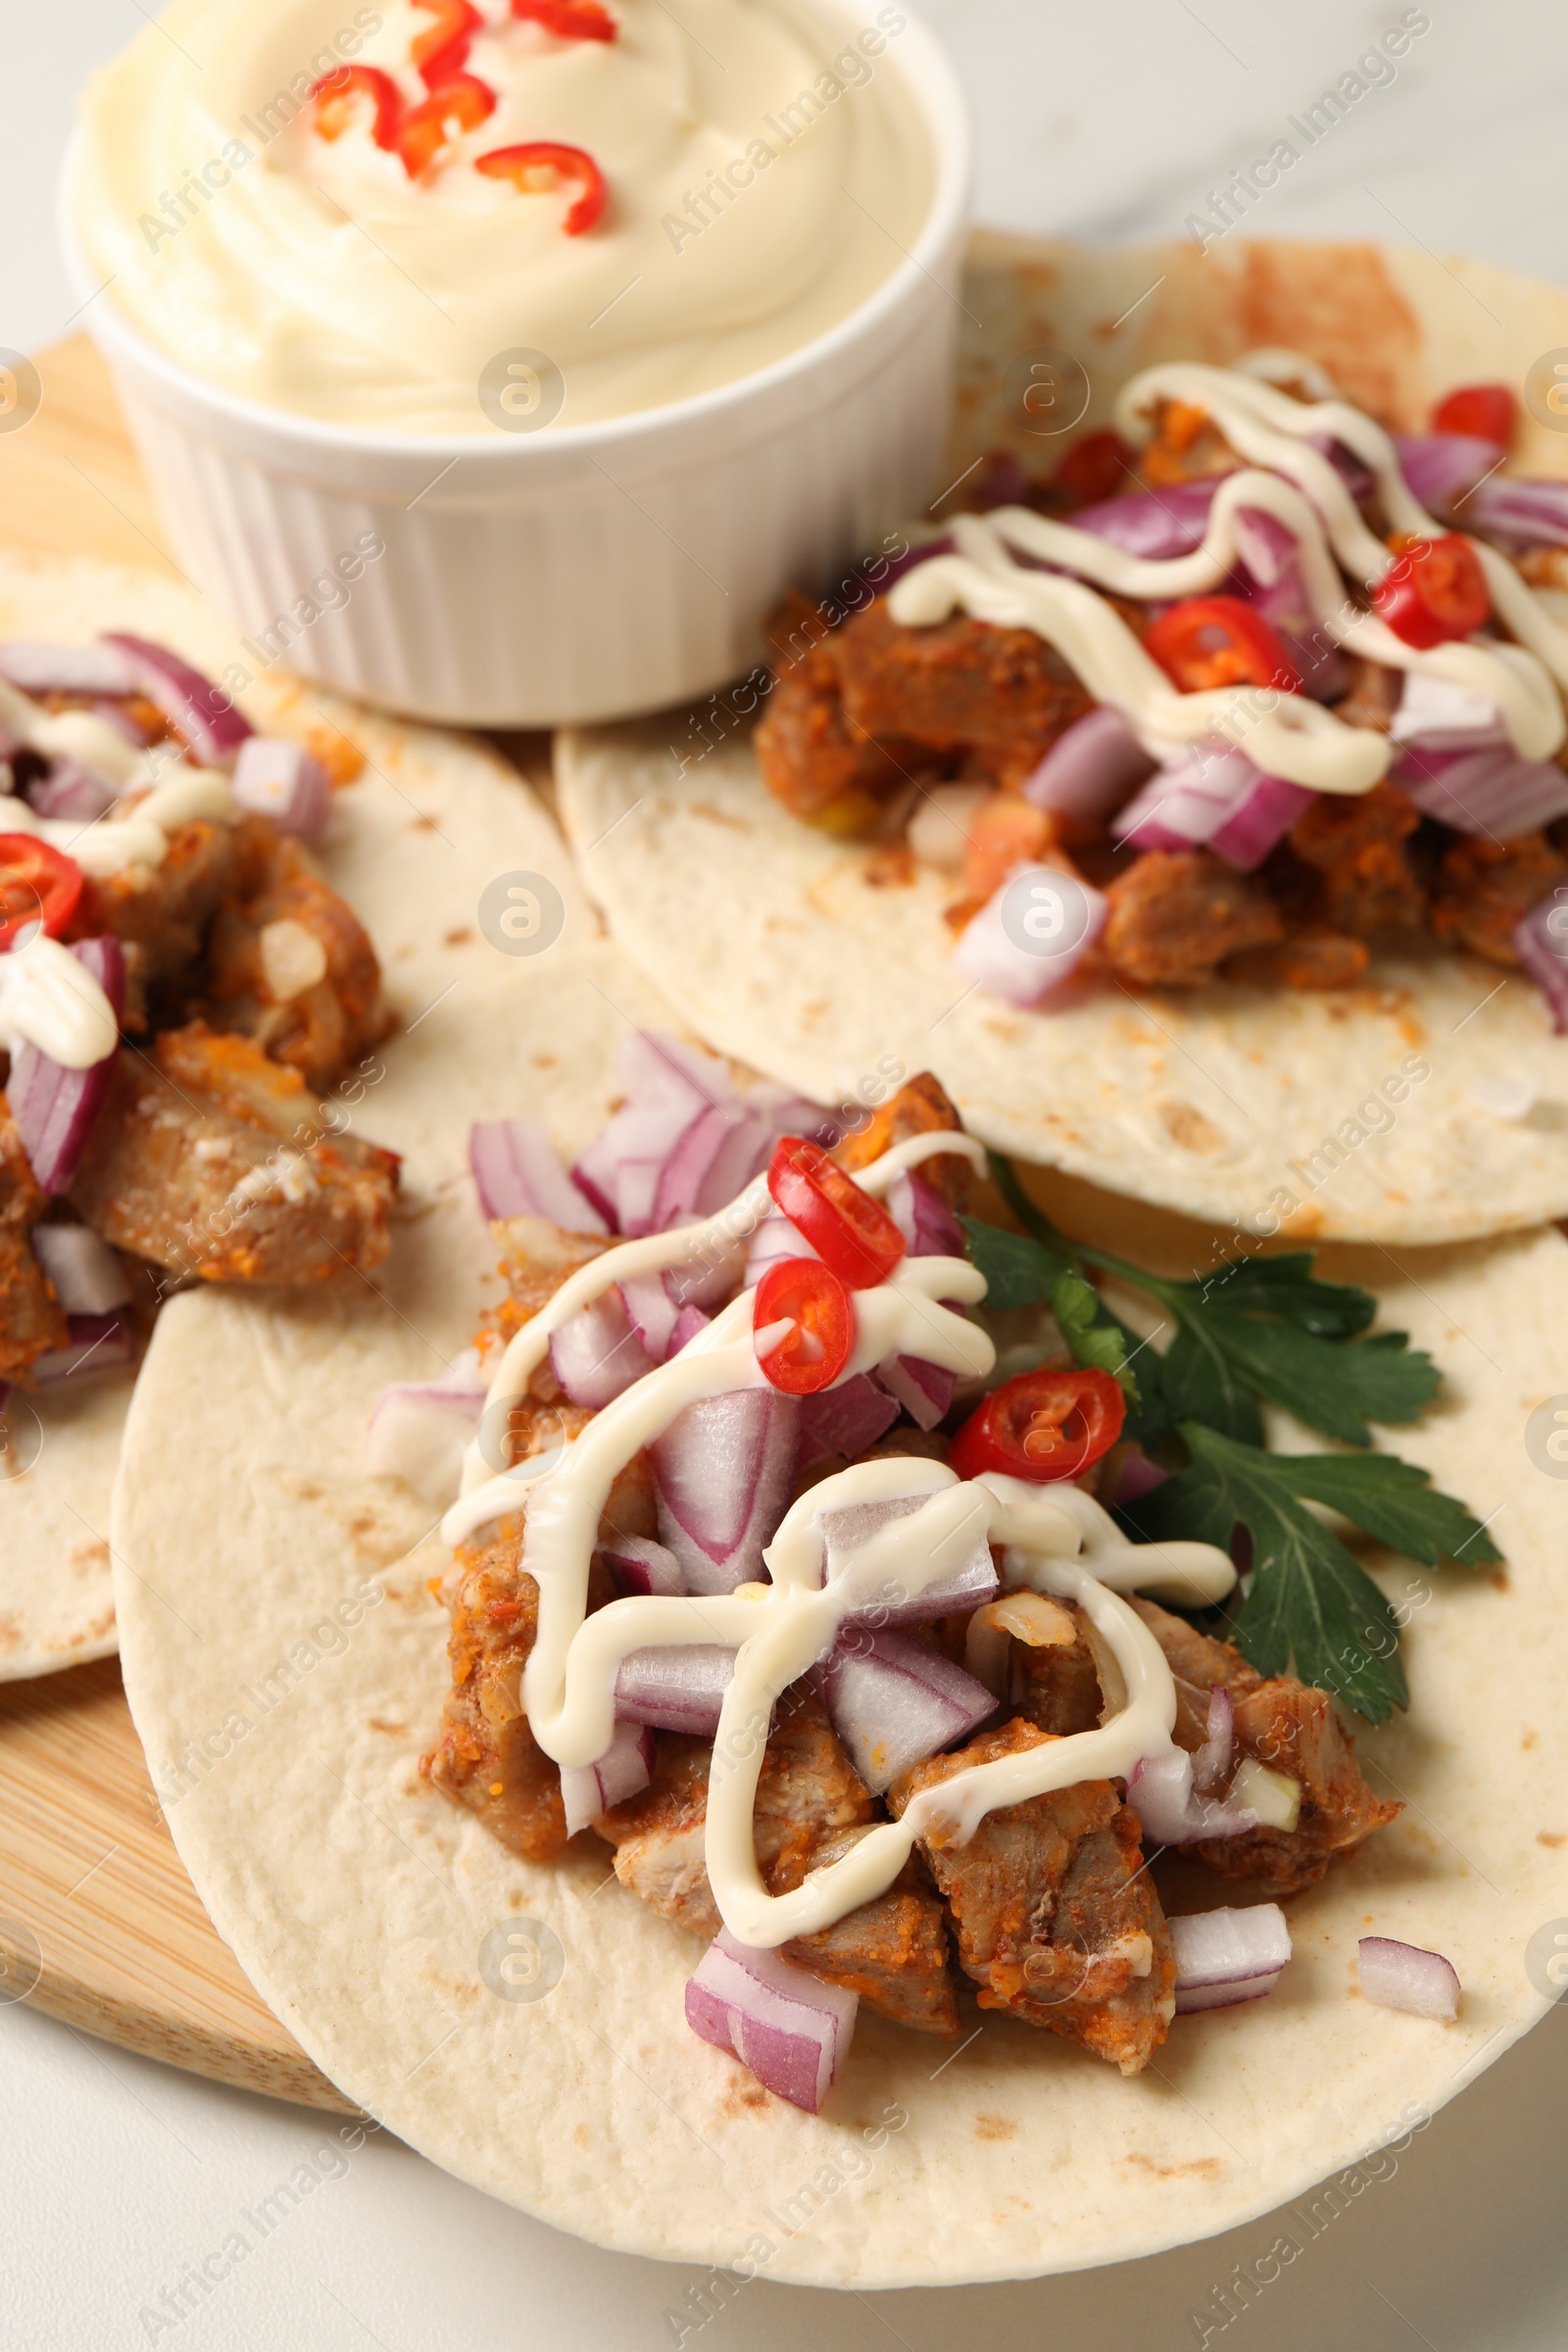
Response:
column 849, row 1231
column 459, row 105
column 336, row 96
column 1487, row 410
column 1096, row 467
column 812, row 1296
column 540, row 165
column 1435, row 592
column 1210, row 641
column 1042, row 1425
column 569, row 20
column 36, row 883
column 443, row 51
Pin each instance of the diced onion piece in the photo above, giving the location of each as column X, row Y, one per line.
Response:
column 775, row 1240
column 517, row 1174
column 939, row 829
column 894, row 1702
column 1157, row 524
column 35, row 667
column 924, row 1217
column 89, row 1277
column 54, row 1107
column 1091, row 769
column 204, row 716
column 1227, row 1956
column 421, row 1430
column 1211, row 1765
column 1019, row 972
column 98, row 1345
column 968, row 1585
column 1519, row 512
column 1161, row 1793
column 789, row 2028
column 847, row 1419
column 71, row 793
column 589, row 1789
column 1258, row 1788
column 688, row 1323
column 1033, row 1619
column 1440, row 467
column 1214, row 798
column 596, row 1356
column 1488, row 791
column 925, row 1390
column 669, row 1087
column 643, row 1568
column 293, row 959
column 1136, row 1476
column 651, row 1312
column 1439, row 712
column 724, row 1469
column 276, row 777
column 1403, row 1976
column 679, row 1688
column 1541, row 944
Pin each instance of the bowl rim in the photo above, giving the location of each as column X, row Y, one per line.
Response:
column 932, row 81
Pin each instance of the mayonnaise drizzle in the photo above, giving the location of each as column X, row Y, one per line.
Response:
column 141, row 835
column 49, row 999
column 1286, row 735
column 780, row 1630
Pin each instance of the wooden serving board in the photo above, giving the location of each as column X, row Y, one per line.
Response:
column 99, row 1924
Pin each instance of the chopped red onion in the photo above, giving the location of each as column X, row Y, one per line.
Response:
column 596, row 1356
column 925, row 1390
column 967, row 1586
column 651, row 1311
column 589, row 1789
column 98, row 1344
column 1261, row 823
column 1273, row 585
column 1491, row 791
column 89, row 1277
column 1213, row 798
column 724, row 1468
column 913, row 556
column 204, row 716
column 893, row 1702
column 1523, row 514
column 643, row 1568
column 688, row 1323
column 421, row 1430
column 1223, row 1957
column 723, row 1132
column 35, row 667
column 54, row 1107
column 789, row 2028
column 847, row 1419
column 998, row 952
column 278, row 778
column 1211, row 1765
column 73, row 793
column 1357, row 475
column 922, row 1215
column 669, row 1089
column 679, row 1688
column 1157, row 523
column 1136, row 1476
column 1403, row 1976
column 1541, row 944
column 1439, row 467
column 518, row 1175
column 775, row 1239
column 1437, row 715
column 134, row 730
column 1092, row 767
column 1161, row 1795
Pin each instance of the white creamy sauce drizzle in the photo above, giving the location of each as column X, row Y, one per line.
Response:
column 49, row 999
column 1295, row 484
column 1058, row 1540
column 109, row 845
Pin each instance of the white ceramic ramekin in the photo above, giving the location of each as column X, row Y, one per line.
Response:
column 584, row 573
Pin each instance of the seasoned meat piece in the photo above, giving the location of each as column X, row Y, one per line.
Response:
column 536, row 1259
column 1373, row 696
column 290, row 964
column 211, row 1160
column 919, row 1107
column 818, row 766
column 961, row 682
column 1187, row 445
column 1319, row 959
column 809, row 1804
column 1293, row 1730
column 1176, row 915
column 31, row 1318
column 1056, row 1687
column 1355, row 843
column 1057, row 1920
column 162, row 913
column 1489, row 887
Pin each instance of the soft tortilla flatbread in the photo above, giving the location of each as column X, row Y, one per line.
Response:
column 286, row 1668
column 1258, row 1108
column 431, row 823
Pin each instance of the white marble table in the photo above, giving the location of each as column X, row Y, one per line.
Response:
column 116, row 2176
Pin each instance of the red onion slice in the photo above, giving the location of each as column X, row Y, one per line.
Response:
column 684, row 1177
column 1403, row 1976
column 642, row 1568
column 88, row 1278
column 652, row 1313
column 1519, row 513
column 421, row 1430
column 893, row 1702
column 71, row 793
column 1491, row 791
column 1157, row 524
column 1223, row 1957
column 999, row 951
column 54, row 1107
column 928, row 1225
column 1092, row 767
column 925, row 1390
column 724, row 1468
column 847, row 1419
column 278, row 778
column 203, row 714
column 968, row 1585
column 1440, row 467
column 1541, row 944
column 596, row 1356
column 518, row 1175
column 677, row 1689
column 775, row 1239
column 98, row 1345
column 589, row 1789
column 1161, row 1793
column 35, row 667
column 688, row 1323
column 1135, row 1475
column 1211, row 1765
column 1213, row 798
column 789, row 2028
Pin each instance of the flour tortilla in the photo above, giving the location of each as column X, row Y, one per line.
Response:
column 431, row 821
column 373, row 1916
column 773, row 944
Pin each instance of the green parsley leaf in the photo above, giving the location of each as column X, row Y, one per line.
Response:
column 1019, row 1271
column 1287, row 1286
column 1101, row 1345
column 1394, row 1502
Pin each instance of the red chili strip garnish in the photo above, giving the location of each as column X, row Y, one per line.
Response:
column 1210, row 641
column 460, row 104
column 443, row 51
column 1489, row 411
column 1042, row 1425
column 36, row 883
column 336, row 96
column 569, row 20
column 540, row 165
column 1096, row 467
column 849, row 1231
column 1437, row 591
column 813, row 1299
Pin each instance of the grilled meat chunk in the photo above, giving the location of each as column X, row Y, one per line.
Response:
column 823, row 769
column 1488, row 887
column 485, row 1755
column 1292, row 1729
column 1057, row 1920
column 31, row 1318
column 961, row 682
column 289, row 964
column 1175, row 915
column 208, row 1160
column 1356, row 843
column 1056, row 1687
column 919, row 1107
column 161, row 913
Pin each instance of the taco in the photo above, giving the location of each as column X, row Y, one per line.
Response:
column 1192, row 794
column 780, row 1682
